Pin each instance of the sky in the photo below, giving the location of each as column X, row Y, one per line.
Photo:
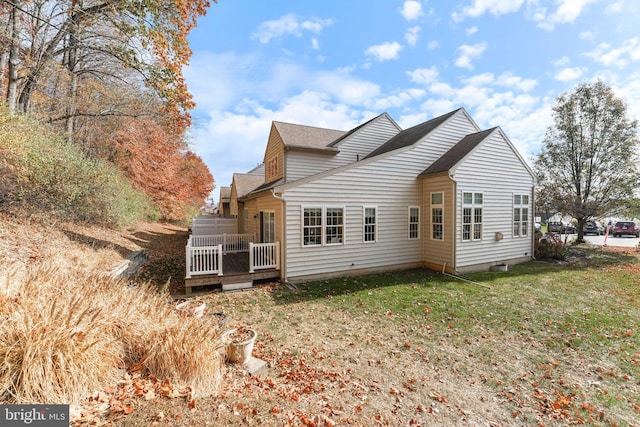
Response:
column 338, row 63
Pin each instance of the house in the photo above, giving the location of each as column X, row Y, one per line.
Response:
column 223, row 204
column 443, row 194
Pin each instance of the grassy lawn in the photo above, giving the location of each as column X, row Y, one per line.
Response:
column 542, row 344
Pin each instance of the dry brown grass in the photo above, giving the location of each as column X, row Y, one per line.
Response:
column 67, row 328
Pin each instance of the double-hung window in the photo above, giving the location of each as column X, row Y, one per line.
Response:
column 472, row 216
column 322, row 226
column 437, row 216
column 334, row 231
column 520, row 215
column 370, row 224
column 312, row 227
column 414, row 222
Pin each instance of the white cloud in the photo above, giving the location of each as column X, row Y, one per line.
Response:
column 561, row 62
column 433, row 44
column 586, row 35
column 315, row 45
column 469, row 53
column 398, row 100
column 614, row 8
column 471, row 30
column 289, row 24
column 411, row 36
column 568, row 74
column 567, row 12
column 384, row 52
column 411, row 9
column 424, row 75
column 494, row 7
column 616, row 57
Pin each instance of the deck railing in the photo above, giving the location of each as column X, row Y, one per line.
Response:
column 264, row 255
column 202, row 260
column 231, row 243
column 205, row 253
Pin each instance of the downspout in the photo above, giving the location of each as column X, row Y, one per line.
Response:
column 533, row 223
column 455, row 223
column 283, row 252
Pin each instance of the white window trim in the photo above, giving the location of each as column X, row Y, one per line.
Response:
column 409, row 223
column 364, row 225
column 302, row 226
column 473, row 205
column 520, row 222
column 441, row 206
column 324, row 225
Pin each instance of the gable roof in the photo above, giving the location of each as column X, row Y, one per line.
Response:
column 246, row 182
column 309, row 137
column 225, row 194
column 458, row 152
column 412, row 135
column 357, row 128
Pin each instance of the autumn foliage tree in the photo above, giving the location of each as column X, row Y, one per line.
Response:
column 154, row 159
column 109, row 75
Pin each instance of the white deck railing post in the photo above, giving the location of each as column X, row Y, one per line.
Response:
column 251, row 269
column 220, row 260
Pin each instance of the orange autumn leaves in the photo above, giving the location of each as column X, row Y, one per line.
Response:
column 152, row 156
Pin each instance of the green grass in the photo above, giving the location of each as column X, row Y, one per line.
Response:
column 555, row 343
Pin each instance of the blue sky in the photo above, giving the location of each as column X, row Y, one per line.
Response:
column 336, row 64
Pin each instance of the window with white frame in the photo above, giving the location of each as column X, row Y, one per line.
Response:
column 414, row 222
column 322, row 226
column 520, row 215
column 312, row 227
column 472, row 216
column 370, row 224
column 437, row 216
column 334, row 230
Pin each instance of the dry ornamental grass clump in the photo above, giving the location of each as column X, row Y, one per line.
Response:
column 64, row 334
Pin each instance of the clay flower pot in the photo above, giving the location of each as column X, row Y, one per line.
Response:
column 239, row 344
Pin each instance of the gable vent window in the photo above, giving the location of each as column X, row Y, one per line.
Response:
column 472, row 216
column 272, row 167
column 520, row 215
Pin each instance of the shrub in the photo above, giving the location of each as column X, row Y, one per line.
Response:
column 44, row 172
column 549, row 246
column 65, row 334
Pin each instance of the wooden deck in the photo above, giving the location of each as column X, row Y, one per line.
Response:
column 235, row 269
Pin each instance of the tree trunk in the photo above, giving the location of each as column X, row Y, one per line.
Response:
column 12, row 88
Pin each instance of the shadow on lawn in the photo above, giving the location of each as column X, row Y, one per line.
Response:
column 578, row 259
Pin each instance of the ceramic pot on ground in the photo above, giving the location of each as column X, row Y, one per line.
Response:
column 239, row 344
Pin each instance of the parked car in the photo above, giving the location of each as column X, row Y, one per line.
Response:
column 560, row 227
column 626, row 228
column 593, row 227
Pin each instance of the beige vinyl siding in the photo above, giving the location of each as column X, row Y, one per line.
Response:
column 275, row 149
column 263, row 203
column 439, row 254
column 389, row 182
column 300, row 163
column 233, row 204
column 495, row 170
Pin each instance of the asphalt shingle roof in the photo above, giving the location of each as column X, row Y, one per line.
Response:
column 412, row 135
column 456, row 153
